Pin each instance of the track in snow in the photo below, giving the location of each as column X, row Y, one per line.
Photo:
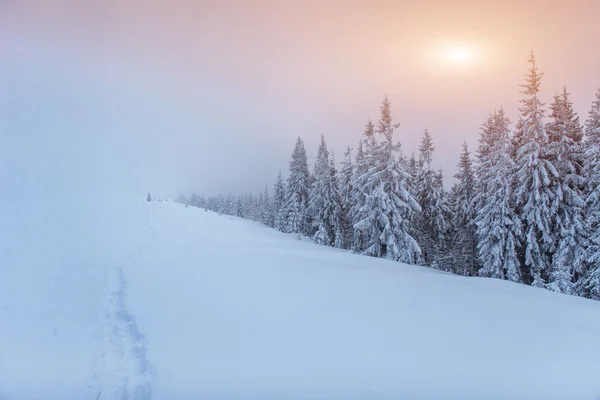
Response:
column 124, row 371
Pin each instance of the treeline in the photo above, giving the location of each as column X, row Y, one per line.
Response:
column 526, row 208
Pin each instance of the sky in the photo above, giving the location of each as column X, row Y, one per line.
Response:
column 210, row 96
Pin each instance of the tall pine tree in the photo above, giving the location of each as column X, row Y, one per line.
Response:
column 297, row 191
column 359, row 189
column 498, row 227
column 389, row 206
column 346, row 195
column 335, row 210
column 324, row 206
column 432, row 225
column 590, row 285
column 463, row 216
column 533, row 191
column 280, row 222
column 565, row 153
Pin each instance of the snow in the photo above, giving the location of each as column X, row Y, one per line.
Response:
column 106, row 297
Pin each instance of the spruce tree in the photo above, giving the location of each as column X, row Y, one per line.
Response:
column 444, row 225
column 249, row 205
column 497, row 226
column 230, row 205
column 239, row 208
column 463, row 216
column 220, row 204
column 259, row 211
column 346, row 195
column 533, row 191
column 412, row 167
column 318, row 231
column 279, row 222
column 432, row 225
column 590, row 284
column 565, row 153
column 324, row 204
column 335, row 211
column 517, row 140
column 388, row 206
column 268, row 210
column 359, row 190
column 297, row 191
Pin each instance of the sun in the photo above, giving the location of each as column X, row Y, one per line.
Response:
column 458, row 54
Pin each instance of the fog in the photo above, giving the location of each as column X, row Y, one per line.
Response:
column 210, row 96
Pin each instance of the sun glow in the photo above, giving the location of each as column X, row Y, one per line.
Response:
column 458, row 54
column 455, row 55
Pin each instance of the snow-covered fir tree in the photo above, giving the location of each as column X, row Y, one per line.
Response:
column 359, row 191
column 239, row 208
column 297, row 191
column 497, row 226
column 517, row 140
column 412, row 167
column 533, row 180
column 268, row 211
column 590, row 284
column 388, row 205
column 259, row 211
column 231, row 208
column 431, row 226
column 346, row 195
column 324, row 205
column 565, row 153
column 219, row 202
column 280, row 222
column 249, row 205
column 211, row 204
column 464, row 252
column 316, row 200
column 336, row 204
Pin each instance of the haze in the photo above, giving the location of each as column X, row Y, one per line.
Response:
column 210, row 96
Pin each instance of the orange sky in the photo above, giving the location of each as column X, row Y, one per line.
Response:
column 279, row 69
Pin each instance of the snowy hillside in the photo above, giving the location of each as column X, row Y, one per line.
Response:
column 121, row 299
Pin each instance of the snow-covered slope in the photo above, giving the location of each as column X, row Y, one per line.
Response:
column 114, row 298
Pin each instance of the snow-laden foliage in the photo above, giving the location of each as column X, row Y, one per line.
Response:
column 498, row 227
column 590, row 285
column 464, row 249
column 278, row 204
column 324, row 204
column 346, row 191
column 565, row 153
column 358, row 183
column 297, row 191
column 388, row 207
column 534, row 175
column 431, row 226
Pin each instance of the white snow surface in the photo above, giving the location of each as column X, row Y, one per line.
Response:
column 105, row 297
